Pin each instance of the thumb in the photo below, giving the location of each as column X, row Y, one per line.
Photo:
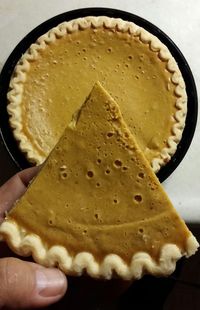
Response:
column 28, row 285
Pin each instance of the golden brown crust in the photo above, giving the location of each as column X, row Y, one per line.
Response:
column 26, row 244
column 21, row 69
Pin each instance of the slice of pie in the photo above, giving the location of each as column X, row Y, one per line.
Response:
column 54, row 76
column 96, row 205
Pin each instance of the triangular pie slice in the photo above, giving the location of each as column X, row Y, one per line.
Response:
column 96, row 205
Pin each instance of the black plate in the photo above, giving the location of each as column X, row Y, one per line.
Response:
column 7, row 70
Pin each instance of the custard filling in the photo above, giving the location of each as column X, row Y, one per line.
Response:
column 65, row 71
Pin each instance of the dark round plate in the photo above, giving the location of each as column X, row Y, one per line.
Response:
column 7, row 70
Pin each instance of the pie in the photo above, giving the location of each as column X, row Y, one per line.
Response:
column 54, row 76
column 96, row 205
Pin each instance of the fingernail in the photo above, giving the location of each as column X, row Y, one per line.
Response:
column 50, row 282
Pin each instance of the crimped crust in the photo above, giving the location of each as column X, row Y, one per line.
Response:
column 27, row 244
column 21, row 69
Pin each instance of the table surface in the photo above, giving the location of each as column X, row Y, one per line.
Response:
column 181, row 21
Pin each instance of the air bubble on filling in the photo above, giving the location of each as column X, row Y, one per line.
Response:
column 117, row 163
column 50, row 222
column 109, row 49
column 115, row 201
column 141, row 175
column 126, row 134
column 110, row 134
column 138, row 198
column 96, row 216
column 63, row 175
column 98, row 161
column 90, row 174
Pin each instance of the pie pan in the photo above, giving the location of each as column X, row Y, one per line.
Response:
column 191, row 119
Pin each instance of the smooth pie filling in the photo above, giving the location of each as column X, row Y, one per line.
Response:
column 97, row 193
column 64, row 72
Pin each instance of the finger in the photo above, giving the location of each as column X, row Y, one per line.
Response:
column 25, row 285
column 28, row 174
column 14, row 188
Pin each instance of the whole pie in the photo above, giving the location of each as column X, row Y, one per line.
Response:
column 57, row 72
column 96, row 205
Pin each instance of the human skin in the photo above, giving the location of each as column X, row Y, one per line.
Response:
column 25, row 284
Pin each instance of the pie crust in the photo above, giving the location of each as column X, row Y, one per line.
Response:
column 27, row 244
column 22, row 68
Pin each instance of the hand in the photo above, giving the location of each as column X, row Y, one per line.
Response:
column 26, row 284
